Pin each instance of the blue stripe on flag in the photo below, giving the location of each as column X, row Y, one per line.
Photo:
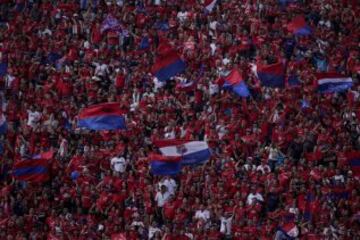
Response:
column 3, row 128
column 270, row 80
column 29, row 170
column 170, row 70
column 304, row 31
column 354, row 162
column 3, row 69
column 334, row 87
column 241, row 89
column 165, row 168
column 196, row 158
column 103, row 122
column 294, row 80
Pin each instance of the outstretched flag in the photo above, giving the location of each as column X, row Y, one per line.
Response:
column 190, row 152
column 164, row 165
column 168, row 63
column 105, row 116
column 34, row 169
column 333, row 82
column 272, row 75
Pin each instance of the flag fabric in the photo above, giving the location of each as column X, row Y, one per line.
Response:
column 118, row 236
column 313, row 156
column 191, row 152
column 333, row 82
column 289, row 230
column 293, row 80
column 272, row 75
column 236, row 83
column 3, row 124
column 285, row 2
column 110, row 23
column 309, row 206
column 44, row 155
column 353, row 159
column 210, row 5
column 299, row 27
column 3, row 69
column 164, row 165
column 186, row 87
column 162, row 26
column 32, row 170
column 144, row 43
column 167, row 64
column 320, row 63
column 105, row 116
column 304, row 104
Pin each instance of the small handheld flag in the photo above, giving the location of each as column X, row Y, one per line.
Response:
column 237, row 84
column 299, row 27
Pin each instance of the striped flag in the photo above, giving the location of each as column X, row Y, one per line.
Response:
column 333, row 82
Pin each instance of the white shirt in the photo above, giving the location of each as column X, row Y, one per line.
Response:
column 158, row 84
column 170, row 185
column 273, row 154
column 119, row 164
column 263, row 168
column 226, row 61
column 9, row 79
column 152, row 231
column 225, row 227
column 137, row 223
column 161, row 199
column 213, row 88
column 251, row 198
column 100, row 69
column 339, row 178
column 182, row 16
column 213, row 25
column 213, row 48
column 33, row 118
column 205, row 215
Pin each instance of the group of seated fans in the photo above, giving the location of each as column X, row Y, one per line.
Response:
column 179, row 119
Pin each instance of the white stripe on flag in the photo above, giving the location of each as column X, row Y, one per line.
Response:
column 334, row 80
column 185, row 149
column 2, row 119
column 211, row 6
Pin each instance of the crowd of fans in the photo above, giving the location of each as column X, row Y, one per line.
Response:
column 277, row 156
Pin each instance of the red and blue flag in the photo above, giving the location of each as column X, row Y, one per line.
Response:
column 333, row 82
column 3, row 124
column 272, row 75
column 110, row 23
column 167, row 64
column 353, row 159
column 3, row 69
column 105, row 116
column 35, row 169
column 190, row 152
column 299, row 27
column 235, row 81
column 289, row 231
column 210, row 5
column 164, row 165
